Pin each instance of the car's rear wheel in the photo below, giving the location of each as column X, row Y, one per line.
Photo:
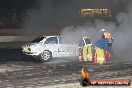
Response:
column 46, row 56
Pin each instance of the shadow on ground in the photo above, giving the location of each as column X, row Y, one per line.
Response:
column 12, row 51
column 12, row 54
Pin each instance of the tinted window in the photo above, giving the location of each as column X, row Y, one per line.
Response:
column 37, row 40
column 52, row 40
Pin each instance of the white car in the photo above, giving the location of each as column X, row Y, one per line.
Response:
column 47, row 47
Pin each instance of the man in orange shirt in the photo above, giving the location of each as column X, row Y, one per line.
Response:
column 107, row 35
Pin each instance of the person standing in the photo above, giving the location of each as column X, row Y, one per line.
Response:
column 85, row 47
column 101, row 47
column 106, row 34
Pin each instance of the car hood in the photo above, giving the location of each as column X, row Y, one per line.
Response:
column 32, row 45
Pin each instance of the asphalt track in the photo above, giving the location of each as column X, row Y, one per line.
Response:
column 18, row 73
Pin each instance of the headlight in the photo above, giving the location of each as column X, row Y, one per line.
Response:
column 25, row 49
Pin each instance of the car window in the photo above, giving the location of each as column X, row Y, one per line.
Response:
column 65, row 40
column 37, row 40
column 60, row 40
column 52, row 40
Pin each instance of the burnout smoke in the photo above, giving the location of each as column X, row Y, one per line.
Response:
column 121, row 33
column 57, row 14
column 74, row 34
column 50, row 15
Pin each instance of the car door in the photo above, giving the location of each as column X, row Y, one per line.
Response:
column 52, row 45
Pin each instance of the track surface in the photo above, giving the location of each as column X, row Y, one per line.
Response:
column 15, row 73
column 18, row 74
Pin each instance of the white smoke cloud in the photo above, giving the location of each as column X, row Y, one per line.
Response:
column 74, row 34
column 121, row 33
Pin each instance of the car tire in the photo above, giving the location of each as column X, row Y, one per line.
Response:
column 46, row 56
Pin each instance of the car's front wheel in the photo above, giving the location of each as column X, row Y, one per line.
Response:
column 46, row 56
